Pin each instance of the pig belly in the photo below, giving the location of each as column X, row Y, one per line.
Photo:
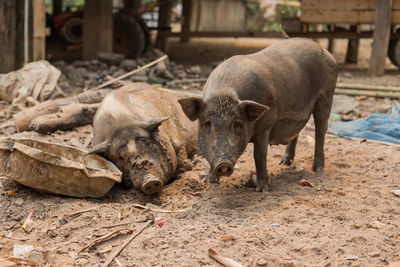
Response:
column 285, row 130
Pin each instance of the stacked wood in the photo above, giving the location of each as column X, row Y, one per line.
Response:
column 367, row 90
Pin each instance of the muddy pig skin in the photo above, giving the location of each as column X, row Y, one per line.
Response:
column 144, row 132
column 264, row 98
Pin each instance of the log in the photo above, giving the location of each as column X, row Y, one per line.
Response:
column 367, row 87
column 339, row 91
column 67, row 118
column 24, row 118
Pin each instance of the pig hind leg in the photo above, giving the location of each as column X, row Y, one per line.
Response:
column 321, row 114
column 289, row 152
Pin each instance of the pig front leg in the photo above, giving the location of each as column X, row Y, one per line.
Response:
column 182, row 158
column 260, row 159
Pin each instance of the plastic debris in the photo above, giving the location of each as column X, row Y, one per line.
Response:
column 352, row 258
column 160, row 222
column 305, row 183
column 275, row 225
column 334, row 117
column 28, row 221
column 11, row 192
column 396, row 192
column 21, row 251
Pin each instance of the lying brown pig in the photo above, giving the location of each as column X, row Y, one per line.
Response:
column 144, row 132
column 264, row 98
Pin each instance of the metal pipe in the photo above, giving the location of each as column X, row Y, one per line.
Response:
column 26, row 32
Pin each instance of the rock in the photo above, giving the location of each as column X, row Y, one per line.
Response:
column 262, row 262
column 119, row 73
column 153, row 54
column 128, row 64
column 105, row 249
column 161, row 66
column 111, row 58
column 195, row 70
column 59, row 64
column 81, row 261
column 347, row 74
column 343, row 104
column 36, row 256
column 19, row 201
column 165, row 74
column 20, row 251
column 112, row 69
column 80, row 63
column 376, row 225
column 374, row 254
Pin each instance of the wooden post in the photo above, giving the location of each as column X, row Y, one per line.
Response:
column 97, row 28
column 164, row 19
column 352, row 48
column 39, row 30
column 7, row 35
column 187, row 18
column 381, row 36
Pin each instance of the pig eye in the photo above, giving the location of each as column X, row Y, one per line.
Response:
column 207, row 124
column 140, row 140
column 237, row 126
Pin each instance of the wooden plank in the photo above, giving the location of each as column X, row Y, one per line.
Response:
column 39, row 30
column 381, row 37
column 338, row 16
column 343, row 4
column 97, row 28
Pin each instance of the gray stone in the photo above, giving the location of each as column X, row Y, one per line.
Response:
column 19, row 201
column 262, row 262
column 119, row 73
column 343, row 104
column 129, row 64
column 111, row 58
column 36, row 256
column 195, row 70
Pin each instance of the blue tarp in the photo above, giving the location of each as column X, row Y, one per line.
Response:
column 379, row 127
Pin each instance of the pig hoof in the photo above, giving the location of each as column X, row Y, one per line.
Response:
column 286, row 160
column 317, row 166
column 152, row 186
column 186, row 166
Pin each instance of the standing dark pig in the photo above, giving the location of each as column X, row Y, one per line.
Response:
column 144, row 132
column 264, row 98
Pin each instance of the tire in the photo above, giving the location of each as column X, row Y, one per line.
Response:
column 131, row 37
column 394, row 52
column 73, row 29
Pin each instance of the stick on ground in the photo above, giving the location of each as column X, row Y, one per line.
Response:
column 119, row 250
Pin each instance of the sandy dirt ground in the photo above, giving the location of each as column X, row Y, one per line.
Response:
column 350, row 217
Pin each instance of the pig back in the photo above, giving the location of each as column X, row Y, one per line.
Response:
column 288, row 76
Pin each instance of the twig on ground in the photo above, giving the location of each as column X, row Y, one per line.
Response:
column 23, row 260
column 125, row 223
column 105, row 237
column 132, row 72
column 136, row 205
column 110, row 259
column 75, row 214
column 223, row 260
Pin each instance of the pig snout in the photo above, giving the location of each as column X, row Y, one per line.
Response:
column 223, row 168
column 151, row 185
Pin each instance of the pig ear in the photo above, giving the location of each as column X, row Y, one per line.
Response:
column 99, row 149
column 253, row 110
column 153, row 124
column 191, row 106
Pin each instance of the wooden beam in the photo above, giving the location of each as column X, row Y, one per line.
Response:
column 381, row 37
column 97, row 28
column 352, row 48
column 39, row 30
